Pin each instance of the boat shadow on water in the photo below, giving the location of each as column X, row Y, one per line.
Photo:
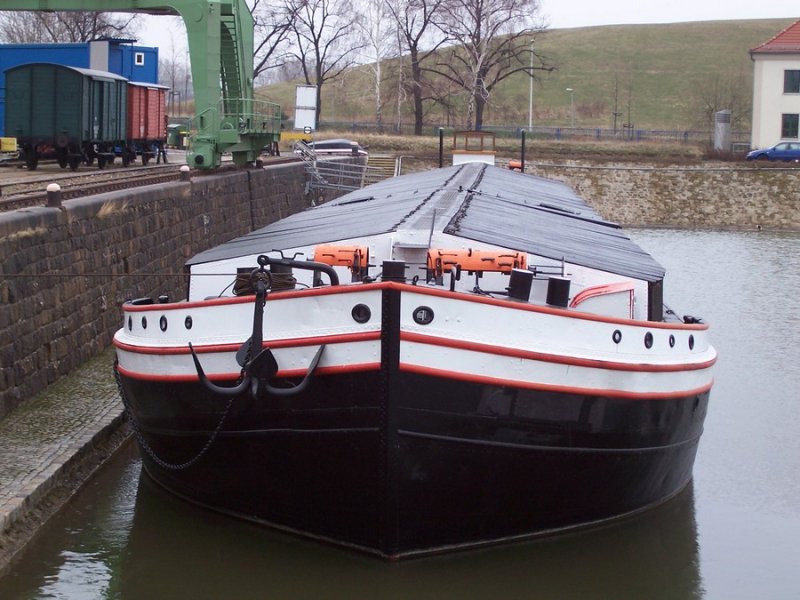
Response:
column 179, row 550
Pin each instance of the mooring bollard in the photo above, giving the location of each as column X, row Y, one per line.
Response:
column 185, row 173
column 54, row 195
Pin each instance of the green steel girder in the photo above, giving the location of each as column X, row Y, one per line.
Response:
column 220, row 37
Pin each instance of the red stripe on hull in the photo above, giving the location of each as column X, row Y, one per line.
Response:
column 551, row 358
column 369, row 336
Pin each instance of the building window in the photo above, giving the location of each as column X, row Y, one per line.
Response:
column 789, row 126
column 791, row 82
column 138, row 58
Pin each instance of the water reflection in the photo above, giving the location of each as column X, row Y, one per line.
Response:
column 139, row 541
column 78, row 553
column 81, row 575
column 179, row 550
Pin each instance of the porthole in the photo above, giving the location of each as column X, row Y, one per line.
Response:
column 361, row 313
column 423, row 315
column 144, row 322
column 691, row 342
column 616, row 336
column 188, row 323
column 648, row 340
column 130, row 323
column 671, row 341
column 162, row 323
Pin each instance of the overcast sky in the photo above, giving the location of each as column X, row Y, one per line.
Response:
column 558, row 14
column 585, row 13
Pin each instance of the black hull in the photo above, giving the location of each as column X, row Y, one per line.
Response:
column 414, row 464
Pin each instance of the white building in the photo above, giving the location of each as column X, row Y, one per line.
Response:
column 776, row 89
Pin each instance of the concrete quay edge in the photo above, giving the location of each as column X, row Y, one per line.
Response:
column 52, row 445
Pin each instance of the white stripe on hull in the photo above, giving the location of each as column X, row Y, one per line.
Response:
column 469, row 338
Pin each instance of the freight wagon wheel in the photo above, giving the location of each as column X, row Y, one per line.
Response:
column 125, row 156
column 101, row 161
column 63, row 160
column 31, row 157
column 74, row 161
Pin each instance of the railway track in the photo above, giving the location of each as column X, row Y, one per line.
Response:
column 28, row 192
column 29, row 188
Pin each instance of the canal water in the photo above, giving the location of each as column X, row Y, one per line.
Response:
column 733, row 534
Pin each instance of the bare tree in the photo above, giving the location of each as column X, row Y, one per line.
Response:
column 726, row 90
column 289, row 69
column 415, row 21
column 174, row 71
column 448, row 97
column 324, row 43
column 19, row 27
column 493, row 40
column 400, row 68
column 272, row 25
column 378, row 31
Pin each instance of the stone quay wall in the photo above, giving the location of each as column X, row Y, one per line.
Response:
column 64, row 272
column 703, row 197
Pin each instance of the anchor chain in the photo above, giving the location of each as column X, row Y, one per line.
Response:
column 258, row 365
column 143, row 443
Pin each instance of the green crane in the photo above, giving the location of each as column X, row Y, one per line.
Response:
column 220, row 35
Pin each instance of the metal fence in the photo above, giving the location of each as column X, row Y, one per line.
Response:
column 738, row 138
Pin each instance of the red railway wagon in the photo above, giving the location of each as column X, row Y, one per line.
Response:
column 147, row 122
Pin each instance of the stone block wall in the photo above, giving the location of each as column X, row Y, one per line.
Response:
column 685, row 197
column 64, row 272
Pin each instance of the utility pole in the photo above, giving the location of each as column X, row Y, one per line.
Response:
column 630, row 124
column 530, row 95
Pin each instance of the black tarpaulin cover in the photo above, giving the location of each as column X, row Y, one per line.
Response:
column 496, row 206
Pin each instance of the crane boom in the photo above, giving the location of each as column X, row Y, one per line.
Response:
column 220, row 36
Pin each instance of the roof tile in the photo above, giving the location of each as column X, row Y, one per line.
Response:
column 785, row 42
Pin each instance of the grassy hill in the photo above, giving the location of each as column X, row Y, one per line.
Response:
column 662, row 74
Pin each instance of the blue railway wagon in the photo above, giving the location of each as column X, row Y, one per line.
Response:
column 71, row 114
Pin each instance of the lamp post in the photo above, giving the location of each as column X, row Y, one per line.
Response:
column 572, row 106
column 530, row 95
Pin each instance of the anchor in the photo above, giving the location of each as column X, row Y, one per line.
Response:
column 257, row 371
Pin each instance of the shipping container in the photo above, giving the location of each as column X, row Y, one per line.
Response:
column 70, row 113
